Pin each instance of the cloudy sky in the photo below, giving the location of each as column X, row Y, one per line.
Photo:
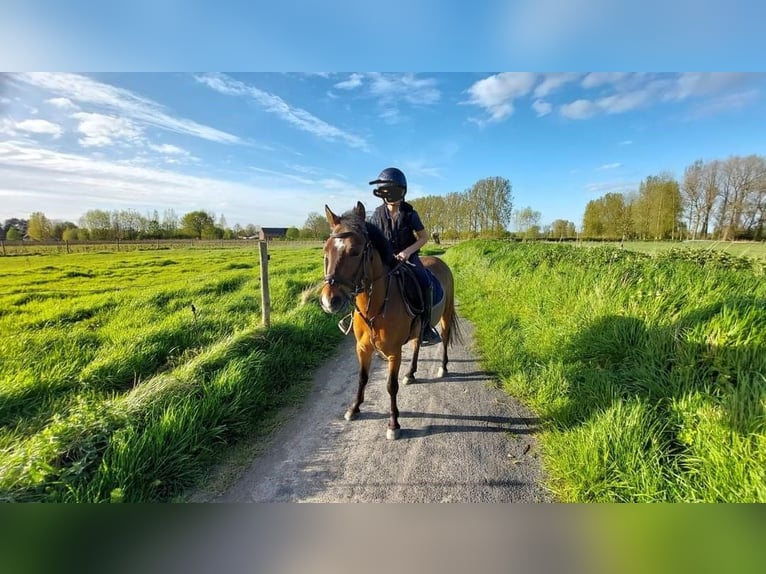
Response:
column 269, row 148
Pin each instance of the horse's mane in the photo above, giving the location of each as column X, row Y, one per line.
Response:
column 353, row 222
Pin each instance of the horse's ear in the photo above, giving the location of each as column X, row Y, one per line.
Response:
column 332, row 219
column 359, row 209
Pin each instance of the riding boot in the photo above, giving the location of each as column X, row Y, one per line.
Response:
column 430, row 336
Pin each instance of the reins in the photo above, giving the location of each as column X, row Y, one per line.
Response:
column 357, row 284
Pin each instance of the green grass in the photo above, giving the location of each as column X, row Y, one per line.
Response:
column 648, row 370
column 753, row 249
column 113, row 388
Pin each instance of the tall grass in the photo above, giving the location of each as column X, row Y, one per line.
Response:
column 648, row 370
column 123, row 375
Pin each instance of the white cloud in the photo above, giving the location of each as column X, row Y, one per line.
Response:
column 63, row 103
column 496, row 93
column 67, row 185
column 697, row 84
column 626, row 142
column 579, row 109
column 100, row 130
column 354, row 81
column 407, row 87
column 121, row 102
column 614, row 165
column 39, row 127
column 634, row 91
column 619, row 103
column 298, row 117
column 596, row 79
column 542, row 108
column 552, row 82
column 169, row 149
column 725, row 103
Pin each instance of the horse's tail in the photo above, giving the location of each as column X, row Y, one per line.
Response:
column 454, row 332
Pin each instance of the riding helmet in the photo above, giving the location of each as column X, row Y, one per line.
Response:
column 392, row 185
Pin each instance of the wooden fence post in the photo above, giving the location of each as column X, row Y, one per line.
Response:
column 265, row 298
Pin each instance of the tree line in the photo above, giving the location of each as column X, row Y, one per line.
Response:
column 719, row 199
column 129, row 225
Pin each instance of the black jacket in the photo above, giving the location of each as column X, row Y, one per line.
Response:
column 399, row 236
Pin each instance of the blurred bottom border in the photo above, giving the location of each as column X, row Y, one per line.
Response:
column 372, row 538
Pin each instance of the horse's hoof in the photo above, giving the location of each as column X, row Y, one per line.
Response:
column 441, row 372
column 350, row 415
column 392, row 434
column 408, row 380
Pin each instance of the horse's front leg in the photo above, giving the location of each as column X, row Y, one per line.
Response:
column 394, row 362
column 364, row 355
column 410, row 376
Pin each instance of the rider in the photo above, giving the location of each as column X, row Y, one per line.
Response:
column 401, row 225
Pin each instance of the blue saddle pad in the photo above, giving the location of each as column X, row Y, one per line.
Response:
column 438, row 291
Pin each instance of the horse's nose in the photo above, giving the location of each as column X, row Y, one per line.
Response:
column 336, row 301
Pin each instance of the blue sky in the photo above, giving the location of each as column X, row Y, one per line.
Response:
column 269, row 148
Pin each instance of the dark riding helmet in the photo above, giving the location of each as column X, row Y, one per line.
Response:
column 392, row 185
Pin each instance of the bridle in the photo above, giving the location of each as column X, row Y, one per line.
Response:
column 358, row 284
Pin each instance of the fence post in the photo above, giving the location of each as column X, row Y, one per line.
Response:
column 3, row 244
column 265, row 299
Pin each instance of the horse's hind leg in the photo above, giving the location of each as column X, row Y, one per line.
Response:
column 364, row 354
column 394, row 362
column 410, row 376
column 446, row 327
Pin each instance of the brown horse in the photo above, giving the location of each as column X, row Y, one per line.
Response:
column 359, row 270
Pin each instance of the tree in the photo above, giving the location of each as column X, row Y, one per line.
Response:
column 292, row 233
column 561, row 228
column 40, row 227
column 593, row 219
column 98, row 223
column 491, row 203
column 527, row 218
column 70, row 234
column 19, row 224
column 170, row 223
column 60, row 228
column 692, row 194
column 194, row 223
column 316, row 226
column 658, row 208
column 13, row 234
column 742, row 184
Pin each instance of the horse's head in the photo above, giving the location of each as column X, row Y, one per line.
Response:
column 345, row 253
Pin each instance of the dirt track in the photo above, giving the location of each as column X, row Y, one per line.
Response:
column 461, row 440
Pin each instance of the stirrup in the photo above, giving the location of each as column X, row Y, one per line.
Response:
column 430, row 337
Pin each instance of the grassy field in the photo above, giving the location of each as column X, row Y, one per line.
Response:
column 648, row 370
column 122, row 375
column 751, row 249
column 125, row 376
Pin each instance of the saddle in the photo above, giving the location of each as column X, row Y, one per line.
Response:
column 414, row 298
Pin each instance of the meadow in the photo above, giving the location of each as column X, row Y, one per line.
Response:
column 123, row 376
column 649, row 371
column 126, row 376
column 749, row 249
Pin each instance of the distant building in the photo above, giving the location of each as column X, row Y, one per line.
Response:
column 269, row 233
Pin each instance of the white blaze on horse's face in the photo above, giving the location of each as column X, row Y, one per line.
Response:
column 333, row 299
column 340, row 245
